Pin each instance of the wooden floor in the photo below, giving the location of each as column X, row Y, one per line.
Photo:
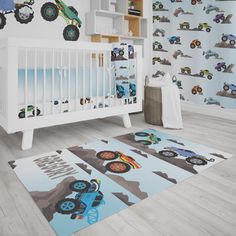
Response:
column 202, row 205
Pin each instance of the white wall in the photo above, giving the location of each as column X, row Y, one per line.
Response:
column 39, row 28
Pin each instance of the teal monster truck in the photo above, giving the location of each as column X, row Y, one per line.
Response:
column 50, row 12
column 146, row 138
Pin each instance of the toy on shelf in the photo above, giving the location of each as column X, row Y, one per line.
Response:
column 50, row 12
column 132, row 10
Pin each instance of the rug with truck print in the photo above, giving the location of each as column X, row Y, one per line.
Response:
column 81, row 185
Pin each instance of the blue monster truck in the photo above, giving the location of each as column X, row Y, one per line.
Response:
column 231, row 87
column 118, row 52
column 132, row 89
column 230, row 37
column 210, row 53
column 85, row 203
column 120, row 91
column 211, row 101
column 209, row 8
column 21, row 8
column 191, row 157
column 174, row 39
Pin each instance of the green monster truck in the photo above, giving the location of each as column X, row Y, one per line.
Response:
column 50, row 12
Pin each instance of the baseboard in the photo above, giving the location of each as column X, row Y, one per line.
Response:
column 210, row 110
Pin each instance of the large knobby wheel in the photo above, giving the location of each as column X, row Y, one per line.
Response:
column 168, row 153
column 198, row 43
column 145, row 142
column 37, row 112
column 141, row 134
column 192, row 45
column 21, row 115
column 209, row 77
column 118, row 167
column 67, row 206
column 3, row 21
column 177, row 40
column 232, row 42
column 23, row 15
column 201, row 73
column 71, row 33
column 106, row 155
column 196, row 161
column 226, row 87
column 49, row 11
column 194, row 91
column 121, row 52
column 199, row 89
column 200, row 27
column 80, row 186
column 224, row 38
column 233, row 92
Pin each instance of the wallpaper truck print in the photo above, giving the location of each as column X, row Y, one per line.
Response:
column 81, row 185
column 196, row 41
column 21, row 9
column 50, row 12
column 124, row 71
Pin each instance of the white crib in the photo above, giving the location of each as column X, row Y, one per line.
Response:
column 46, row 83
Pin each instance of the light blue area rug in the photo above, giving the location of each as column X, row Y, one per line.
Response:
column 81, row 185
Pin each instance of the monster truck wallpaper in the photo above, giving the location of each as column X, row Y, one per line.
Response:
column 201, row 48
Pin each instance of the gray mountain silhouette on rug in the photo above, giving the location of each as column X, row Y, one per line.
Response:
column 124, row 198
column 47, row 200
column 165, row 176
column 84, row 167
column 131, row 186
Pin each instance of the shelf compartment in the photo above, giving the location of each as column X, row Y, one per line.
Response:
column 99, row 38
column 138, row 6
column 134, row 25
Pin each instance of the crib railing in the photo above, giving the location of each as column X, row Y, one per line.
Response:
column 53, row 82
column 62, row 80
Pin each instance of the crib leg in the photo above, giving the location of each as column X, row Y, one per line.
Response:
column 27, row 139
column 126, row 121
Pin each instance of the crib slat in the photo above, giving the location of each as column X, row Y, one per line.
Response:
column 69, row 79
column 97, row 79
column 35, row 81
column 61, row 77
column 26, row 82
column 104, row 78
column 53, row 78
column 84, row 81
column 76, row 81
column 91, row 79
column 109, row 76
column 44, row 82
